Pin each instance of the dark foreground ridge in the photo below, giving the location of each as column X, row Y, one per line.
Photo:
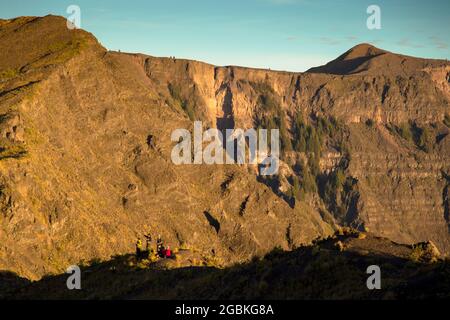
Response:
column 332, row 268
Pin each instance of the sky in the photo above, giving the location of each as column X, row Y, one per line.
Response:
column 289, row 35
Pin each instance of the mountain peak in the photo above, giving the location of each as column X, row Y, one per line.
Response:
column 354, row 60
column 361, row 50
column 365, row 58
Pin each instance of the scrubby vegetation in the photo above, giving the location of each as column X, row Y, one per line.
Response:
column 271, row 115
column 62, row 51
column 307, row 180
column 15, row 151
column 340, row 194
column 404, row 130
column 424, row 252
column 306, row 138
column 333, row 185
column 186, row 98
column 309, row 135
column 422, row 137
column 303, row 183
column 310, row 138
column 8, row 74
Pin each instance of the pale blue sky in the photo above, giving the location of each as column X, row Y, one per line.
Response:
column 279, row 34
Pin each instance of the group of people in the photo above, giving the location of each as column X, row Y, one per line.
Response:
column 162, row 251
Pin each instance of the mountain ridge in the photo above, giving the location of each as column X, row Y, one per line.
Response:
column 361, row 50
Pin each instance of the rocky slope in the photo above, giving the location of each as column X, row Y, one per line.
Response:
column 85, row 150
column 86, row 165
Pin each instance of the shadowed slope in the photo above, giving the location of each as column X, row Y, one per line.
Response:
column 334, row 268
